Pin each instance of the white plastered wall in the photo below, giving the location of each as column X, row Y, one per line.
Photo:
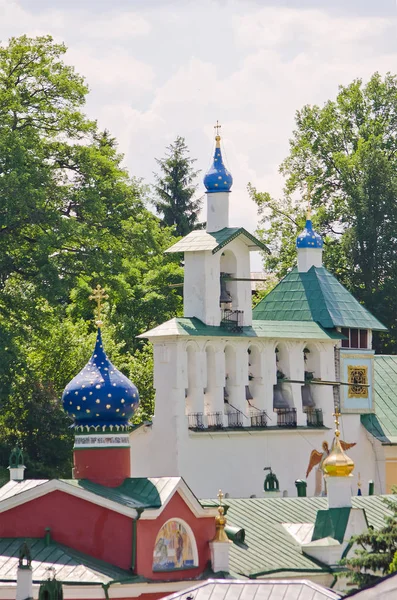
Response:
column 201, row 289
column 234, row 460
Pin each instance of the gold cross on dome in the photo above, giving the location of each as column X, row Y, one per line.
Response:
column 98, row 294
column 220, row 497
column 217, row 127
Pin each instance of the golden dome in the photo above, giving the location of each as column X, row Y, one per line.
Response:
column 220, row 522
column 337, row 463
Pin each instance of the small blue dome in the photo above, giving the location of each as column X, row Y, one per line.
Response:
column 218, row 178
column 100, row 394
column 309, row 238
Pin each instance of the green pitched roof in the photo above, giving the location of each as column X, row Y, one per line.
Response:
column 134, row 492
column 271, row 549
column 331, row 523
column 383, row 423
column 315, row 296
column 199, row 240
column 70, row 566
column 185, row 326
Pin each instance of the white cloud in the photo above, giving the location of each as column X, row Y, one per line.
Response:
column 157, row 73
column 113, row 71
column 114, row 26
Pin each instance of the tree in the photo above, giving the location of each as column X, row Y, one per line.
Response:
column 374, row 550
column 70, row 217
column 346, row 151
column 175, row 189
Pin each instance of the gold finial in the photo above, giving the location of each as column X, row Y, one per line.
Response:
column 337, row 463
column 359, row 481
column 220, row 522
column 98, row 294
column 217, row 135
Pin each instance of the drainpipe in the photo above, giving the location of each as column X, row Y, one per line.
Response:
column 134, row 539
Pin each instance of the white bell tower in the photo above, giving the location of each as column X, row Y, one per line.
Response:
column 217, row 261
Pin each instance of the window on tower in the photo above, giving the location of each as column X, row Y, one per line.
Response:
column 355, row 338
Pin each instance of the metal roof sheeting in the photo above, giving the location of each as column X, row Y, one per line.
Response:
column 200, row 240
column 70, row 566
column 315, row 295
column 184, row 326
column 271, row 548
column 135, row 492
column 250, row 590
column 383, row 423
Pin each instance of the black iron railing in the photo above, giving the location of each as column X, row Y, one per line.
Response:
column 232, row 320
column 314, row 417
column 234, row 419
column 196, row 420
column 286, row 417
column 259, row 418
column 215, row 420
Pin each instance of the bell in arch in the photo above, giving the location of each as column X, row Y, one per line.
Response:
column 225, row 298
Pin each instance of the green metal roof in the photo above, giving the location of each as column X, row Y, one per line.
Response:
column 271, row 548
column 263, row 329
column 331, row 523
column 135, row 492
column 315, row 296
column 383, row 423
column 197, row 241
column 70, row 566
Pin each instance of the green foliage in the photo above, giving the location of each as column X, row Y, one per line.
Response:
column 346, row 152
column 140, row 369
column 70, row 217
column 374, row 551
column 175, row 189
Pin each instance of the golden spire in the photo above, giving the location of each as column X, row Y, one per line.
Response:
column 98, row 294
column 220, row 522
column 217, row 136
column 337, row 463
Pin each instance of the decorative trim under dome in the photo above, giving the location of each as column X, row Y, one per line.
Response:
column 218, row 178
column 100, row 396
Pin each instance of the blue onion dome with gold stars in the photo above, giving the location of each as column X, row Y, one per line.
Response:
column 100, row 395
column 309, row 238
column 218, row 178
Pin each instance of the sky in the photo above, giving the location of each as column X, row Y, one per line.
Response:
column 161, row 68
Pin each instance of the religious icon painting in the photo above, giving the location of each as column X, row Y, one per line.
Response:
column 173, row 549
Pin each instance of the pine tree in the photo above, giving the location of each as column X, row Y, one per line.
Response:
column 175, row 189
column 374, row 550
